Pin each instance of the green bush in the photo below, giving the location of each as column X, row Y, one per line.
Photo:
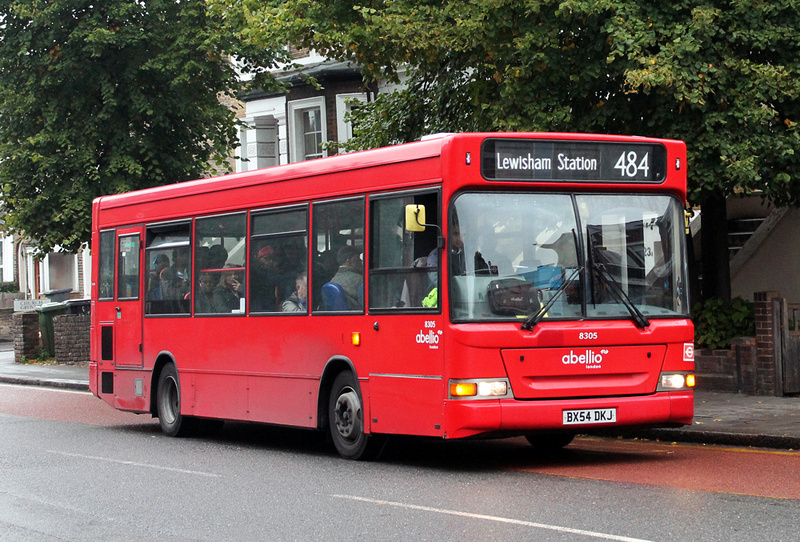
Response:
column 9, row 287
column 717, row 322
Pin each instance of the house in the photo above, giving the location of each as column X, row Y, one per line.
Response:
column 294, row 126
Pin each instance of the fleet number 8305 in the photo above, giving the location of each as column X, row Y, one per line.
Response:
column 587, row 335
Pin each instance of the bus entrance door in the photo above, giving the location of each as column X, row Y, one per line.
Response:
column 128, row 306
column 406, row 378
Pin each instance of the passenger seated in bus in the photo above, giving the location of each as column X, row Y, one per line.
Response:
column 420, row 286
column 172, row 291
column 217, row 256
column 298, row 301
column 229, row 291
column 154, row 292
column 205, row 294
column 350, row 275
column 181, row 263
column 265, row 288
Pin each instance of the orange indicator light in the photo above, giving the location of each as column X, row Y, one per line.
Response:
column 356, row 338
column 463, row 389
column 690, row 381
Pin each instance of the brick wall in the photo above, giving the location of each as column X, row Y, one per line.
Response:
column 728, row 370
column 71, row 338
column 766, row 321
column 750, row 366
column 6, row 325
column 26, row 335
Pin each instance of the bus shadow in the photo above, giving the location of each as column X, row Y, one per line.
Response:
column 428, row 453
column 512, row 453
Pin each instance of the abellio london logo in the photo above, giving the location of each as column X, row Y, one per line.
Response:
column 429, row 337
column 590, row 358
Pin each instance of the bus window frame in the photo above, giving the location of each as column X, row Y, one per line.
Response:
column 581, row 256
column 251, row 237
column 153, row 229
column 102, row 250
column 313, row 247
column 369, row 270
column 118, row 245
column 196, row 272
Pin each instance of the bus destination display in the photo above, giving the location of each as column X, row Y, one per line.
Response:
column 590, row 161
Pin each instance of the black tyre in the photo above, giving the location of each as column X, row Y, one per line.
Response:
column 346, row 421
column 549, row 442
column 168, row 402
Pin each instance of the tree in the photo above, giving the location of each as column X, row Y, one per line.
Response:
column 104, row 97
column 721, row 75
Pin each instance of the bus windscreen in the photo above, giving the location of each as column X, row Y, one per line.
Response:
column 628, row 247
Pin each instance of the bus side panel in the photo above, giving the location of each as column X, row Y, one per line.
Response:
column 214, row 394
column 131, row 390
column 283, row 400
column 247, row 368
column 405, row 405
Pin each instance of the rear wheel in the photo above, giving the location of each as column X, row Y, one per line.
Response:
column 549, row 442
column 168, row 401
column 346, row 421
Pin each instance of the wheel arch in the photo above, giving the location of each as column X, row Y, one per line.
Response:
column 162, row 359
column 333, row 367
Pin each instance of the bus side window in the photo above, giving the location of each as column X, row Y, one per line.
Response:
column 404, row 264
column 220, row 259
column 338, row 239
column 279, row 260
column 168, row 253
column 105, row 288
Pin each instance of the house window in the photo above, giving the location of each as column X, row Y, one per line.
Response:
column 61, row 271
column 344, row 104
column 307, row 129
column 312, row 134
column 2, row 260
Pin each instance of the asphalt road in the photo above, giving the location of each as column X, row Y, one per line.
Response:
column 75, row 469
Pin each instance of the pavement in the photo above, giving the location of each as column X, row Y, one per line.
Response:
column 719, row 418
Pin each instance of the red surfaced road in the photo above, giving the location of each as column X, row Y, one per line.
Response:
column 743, row 471
column 64, row 405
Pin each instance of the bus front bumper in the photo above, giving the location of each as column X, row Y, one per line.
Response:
column 470, row 418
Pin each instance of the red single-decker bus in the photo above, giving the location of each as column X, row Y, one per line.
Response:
column 480, row 284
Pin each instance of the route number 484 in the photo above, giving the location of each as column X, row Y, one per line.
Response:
column 629, row 164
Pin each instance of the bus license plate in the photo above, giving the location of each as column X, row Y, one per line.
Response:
column 592, row 415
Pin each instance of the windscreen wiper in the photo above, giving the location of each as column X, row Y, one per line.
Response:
column 609, row 280
column 535, row 318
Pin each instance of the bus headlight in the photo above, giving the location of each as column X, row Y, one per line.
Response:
column 484, row 388
column 675, row 381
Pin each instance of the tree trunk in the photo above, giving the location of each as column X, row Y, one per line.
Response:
column 714, row 242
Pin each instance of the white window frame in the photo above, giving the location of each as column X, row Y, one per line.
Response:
column 295, row 110
column 45, row 269
column 345, row 129
column 7, row 247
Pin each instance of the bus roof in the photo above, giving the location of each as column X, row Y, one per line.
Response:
column 429, row 148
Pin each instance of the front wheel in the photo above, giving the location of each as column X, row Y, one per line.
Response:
column 346, row 421
column 168, row 402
